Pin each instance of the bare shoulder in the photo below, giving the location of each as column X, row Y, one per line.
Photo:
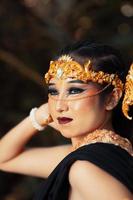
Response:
column 94, row 183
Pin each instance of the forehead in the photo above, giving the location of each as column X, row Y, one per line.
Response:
column 71, row 81
column 68, row 80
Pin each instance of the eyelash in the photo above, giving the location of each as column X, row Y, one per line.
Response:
column 52, row 91
column 72, row 91
column 78, row 90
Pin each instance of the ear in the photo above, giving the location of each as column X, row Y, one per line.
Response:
column 113, row 99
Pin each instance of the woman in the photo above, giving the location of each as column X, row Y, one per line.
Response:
column 85, row 86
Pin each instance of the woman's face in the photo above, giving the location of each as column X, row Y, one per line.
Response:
column 74, row 107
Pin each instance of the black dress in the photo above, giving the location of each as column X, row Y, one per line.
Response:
column 112, row 159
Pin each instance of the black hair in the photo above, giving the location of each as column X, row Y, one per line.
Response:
column 108, row 59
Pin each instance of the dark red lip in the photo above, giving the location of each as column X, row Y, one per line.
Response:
column 64, row 120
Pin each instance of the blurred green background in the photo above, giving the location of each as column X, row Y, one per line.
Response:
column 31, row 33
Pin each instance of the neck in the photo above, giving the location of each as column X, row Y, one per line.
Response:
column 107, row 124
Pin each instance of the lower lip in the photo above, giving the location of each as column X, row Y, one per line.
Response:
column 64, row 121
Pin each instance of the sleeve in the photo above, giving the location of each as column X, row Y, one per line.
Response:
column 112, row 159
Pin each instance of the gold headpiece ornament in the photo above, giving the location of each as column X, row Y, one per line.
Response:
column 66, row 67
column 128, row 97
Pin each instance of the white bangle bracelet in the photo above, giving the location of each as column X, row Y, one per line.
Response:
column 33, row 120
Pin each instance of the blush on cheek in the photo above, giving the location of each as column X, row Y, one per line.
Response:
column 83, row 104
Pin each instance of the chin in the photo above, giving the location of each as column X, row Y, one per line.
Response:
column 67, row 134
column 71, row 134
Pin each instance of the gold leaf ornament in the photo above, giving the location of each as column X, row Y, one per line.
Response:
column 65, row 67
column 128, row 96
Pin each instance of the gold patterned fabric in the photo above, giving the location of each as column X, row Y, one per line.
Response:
column 106, row 136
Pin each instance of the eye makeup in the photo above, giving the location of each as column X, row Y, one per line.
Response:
column 69, row 91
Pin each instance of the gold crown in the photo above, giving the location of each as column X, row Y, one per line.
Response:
column 65, row 67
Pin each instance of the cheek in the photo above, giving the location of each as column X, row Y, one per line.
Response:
column 85, row 105
column 88, row 113
column 51, row 107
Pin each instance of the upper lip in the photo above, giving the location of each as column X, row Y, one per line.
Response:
column 64, row 118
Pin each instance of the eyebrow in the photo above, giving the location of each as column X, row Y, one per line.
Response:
column 72, row 81
column 76, row 81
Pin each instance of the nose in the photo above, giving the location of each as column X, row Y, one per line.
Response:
column 61, row 105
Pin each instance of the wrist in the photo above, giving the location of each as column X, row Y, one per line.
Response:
column 34, row 120
column 38, row 120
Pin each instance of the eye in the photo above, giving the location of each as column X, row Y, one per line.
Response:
column 52, row 91
column 75, row 90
